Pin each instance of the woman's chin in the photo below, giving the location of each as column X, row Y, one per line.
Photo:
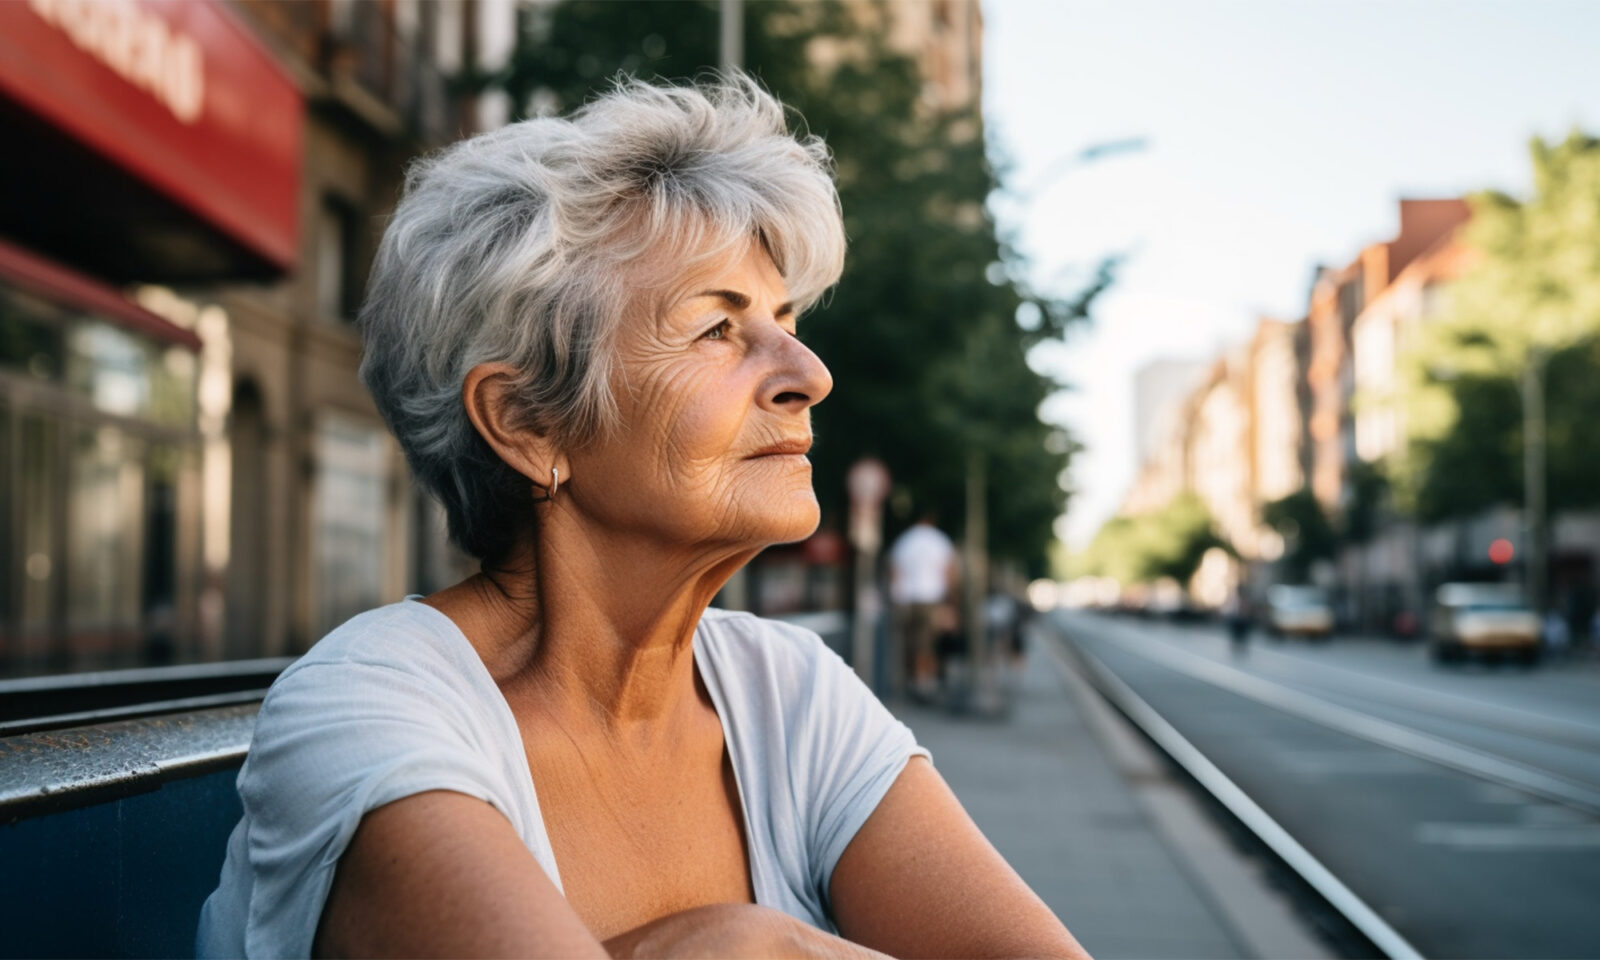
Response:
column 783, row 519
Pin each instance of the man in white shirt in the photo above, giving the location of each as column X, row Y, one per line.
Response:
column 923, row 572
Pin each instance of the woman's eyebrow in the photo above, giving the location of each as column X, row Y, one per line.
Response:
column 741, row 302
column 738, row 300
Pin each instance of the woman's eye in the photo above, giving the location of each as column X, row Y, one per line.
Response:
column 718, row 332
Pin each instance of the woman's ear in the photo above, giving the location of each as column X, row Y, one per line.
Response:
column 487, row 394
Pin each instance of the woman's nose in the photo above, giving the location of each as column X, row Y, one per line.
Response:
column 799, row 378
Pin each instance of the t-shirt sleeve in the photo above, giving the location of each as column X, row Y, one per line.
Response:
column 854, row 752
column 333, row 741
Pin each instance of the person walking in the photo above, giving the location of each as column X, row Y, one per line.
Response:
column 1236, row 611
column 922, row 578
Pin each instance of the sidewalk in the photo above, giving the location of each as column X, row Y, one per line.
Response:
column 1069, row 817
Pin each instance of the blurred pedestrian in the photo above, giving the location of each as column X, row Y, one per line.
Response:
column 922, row 578
column 1557, row 635
column 1236, row 611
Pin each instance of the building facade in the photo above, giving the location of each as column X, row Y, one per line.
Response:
column 193, row 470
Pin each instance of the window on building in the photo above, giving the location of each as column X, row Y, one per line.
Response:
column 351, row 517
column 449, row 31
column 96, row 427
column 338, row 283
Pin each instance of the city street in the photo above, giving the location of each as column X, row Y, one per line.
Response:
column 1460, row 802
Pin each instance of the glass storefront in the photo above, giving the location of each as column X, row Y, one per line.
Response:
column 97, row 430
column 352, row 517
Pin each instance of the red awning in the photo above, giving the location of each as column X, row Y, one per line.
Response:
column 66, row 286
column 179, row 96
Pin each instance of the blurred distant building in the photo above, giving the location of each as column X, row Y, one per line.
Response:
column 1220, row 458
column 1338, row 297
column 1384, row 332
column 192, row 195
column 1160, row 388
column 1318, row 404
column 1275, row 421
column 945, row 37
column 1361, row 317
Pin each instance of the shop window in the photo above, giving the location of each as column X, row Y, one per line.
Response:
column 36, row 511
column 30, row 344
column 105, row 512
column 245, row 633
column 351, row 517
column 338, row 286
column 96, row 447
column 449, row 30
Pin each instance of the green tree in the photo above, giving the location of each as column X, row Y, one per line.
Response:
column 1533, row 295
column 922, row 333
column 1307, row 534
column 1165, row 543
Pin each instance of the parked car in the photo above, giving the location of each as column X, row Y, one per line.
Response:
column 1298, row 612
column 1483, row 619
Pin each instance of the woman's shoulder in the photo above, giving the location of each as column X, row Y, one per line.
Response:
column 772, row 666
column 395, row 679
column 381, row 698
column 406, row 643
column 739, row 639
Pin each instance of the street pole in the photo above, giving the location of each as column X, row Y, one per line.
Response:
column 731, row 50
column 868, row 483
column 986, row 698
column 1535, row 509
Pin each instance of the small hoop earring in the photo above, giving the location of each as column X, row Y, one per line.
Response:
column 555, row 484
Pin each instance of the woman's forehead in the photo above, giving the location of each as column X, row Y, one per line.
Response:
column 745, row 269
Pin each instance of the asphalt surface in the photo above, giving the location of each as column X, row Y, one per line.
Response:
column 1458, row 802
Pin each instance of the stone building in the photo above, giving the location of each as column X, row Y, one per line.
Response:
column 192, row 470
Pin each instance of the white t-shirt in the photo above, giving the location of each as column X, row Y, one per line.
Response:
column 920, row 560
column 396, row 702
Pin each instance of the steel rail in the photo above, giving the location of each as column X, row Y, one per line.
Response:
column 1246, row 811
column 1385, row 733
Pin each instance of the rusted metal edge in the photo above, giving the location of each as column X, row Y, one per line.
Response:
column 48, row 772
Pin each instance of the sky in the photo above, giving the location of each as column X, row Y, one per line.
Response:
column 1279, row 134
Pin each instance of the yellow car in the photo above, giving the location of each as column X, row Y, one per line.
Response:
column 1298, row 612
column 1471, row 619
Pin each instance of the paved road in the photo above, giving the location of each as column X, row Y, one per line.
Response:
column 1398, row 774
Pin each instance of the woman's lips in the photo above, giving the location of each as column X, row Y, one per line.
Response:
column 788, row 448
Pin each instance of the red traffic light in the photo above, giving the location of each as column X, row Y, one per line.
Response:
column 1501, row 551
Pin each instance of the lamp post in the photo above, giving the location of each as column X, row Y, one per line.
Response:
column 731, row 49
column 867, row 483
column 1535, row 508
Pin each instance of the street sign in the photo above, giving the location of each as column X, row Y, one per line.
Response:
column 868, row 481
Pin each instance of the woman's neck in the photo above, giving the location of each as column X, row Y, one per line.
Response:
column 592, row 626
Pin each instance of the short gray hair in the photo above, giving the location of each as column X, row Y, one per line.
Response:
column 527, row 245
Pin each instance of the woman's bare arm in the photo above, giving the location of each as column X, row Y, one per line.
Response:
column 920, row 880
column 735, row 930
column 442, row 874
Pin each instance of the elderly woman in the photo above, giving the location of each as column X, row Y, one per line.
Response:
column 583, row 334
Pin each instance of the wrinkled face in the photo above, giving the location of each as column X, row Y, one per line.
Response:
column 715, row 395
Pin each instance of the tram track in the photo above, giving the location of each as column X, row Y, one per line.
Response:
column 1386, row 876
column 1300, row 702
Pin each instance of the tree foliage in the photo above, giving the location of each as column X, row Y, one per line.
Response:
column 921, row 334
column 1533, row 292
column 1307, row 534
column 1143, row 548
